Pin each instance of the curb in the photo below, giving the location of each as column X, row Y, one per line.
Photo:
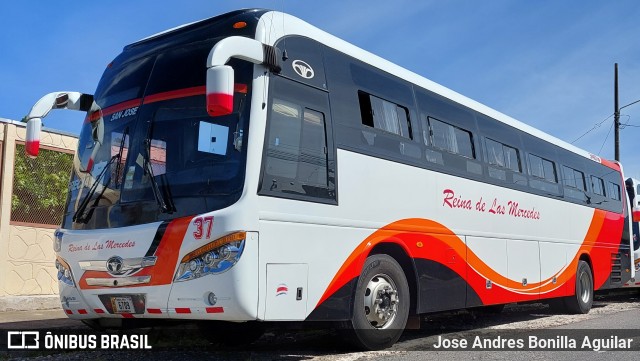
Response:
column 29, row 303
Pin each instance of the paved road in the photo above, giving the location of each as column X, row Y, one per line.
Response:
column 621, row 311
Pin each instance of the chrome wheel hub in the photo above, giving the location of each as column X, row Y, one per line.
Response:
column 585, row 285
column 381, row 301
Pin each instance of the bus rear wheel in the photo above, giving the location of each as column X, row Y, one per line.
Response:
column 582, row 300
column 381, row 306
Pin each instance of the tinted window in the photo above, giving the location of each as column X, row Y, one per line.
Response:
column 502, row 155
column 613, row 191
column 549, row 171
column 283, row 145
column 313, row 149
column 123, row 82
column 512, row 158
column 573, row 178
column 381, row 114
column 296, row 161
column 536, row 166
column 542, row 168
column 297, row 144
column 451, row 139
column 597, row 184
column 426, row 134
column 186, row 66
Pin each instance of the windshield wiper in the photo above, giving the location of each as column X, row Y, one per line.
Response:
column 165, row 204
column 79, row 216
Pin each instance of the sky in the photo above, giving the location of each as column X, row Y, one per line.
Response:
column 547, row 63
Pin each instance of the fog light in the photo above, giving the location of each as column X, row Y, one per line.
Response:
column 212, row 299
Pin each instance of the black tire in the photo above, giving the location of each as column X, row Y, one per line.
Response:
column 582, row 300
column 381, row 304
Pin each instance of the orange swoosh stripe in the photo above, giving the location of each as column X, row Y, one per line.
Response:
column 437, row 242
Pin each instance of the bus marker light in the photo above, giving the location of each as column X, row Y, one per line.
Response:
column 240, row 88
column 419, row 244
column 239, row 25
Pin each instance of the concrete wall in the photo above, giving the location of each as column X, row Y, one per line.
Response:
column 27, row 272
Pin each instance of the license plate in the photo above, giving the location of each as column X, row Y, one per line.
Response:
column 122, row 305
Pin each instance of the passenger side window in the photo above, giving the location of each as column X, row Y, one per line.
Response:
column 543, row 168
column 574, row 178
column 450, row 138
column 502, row 155
column 597, row 184
column 613, row 191
column 384, row 115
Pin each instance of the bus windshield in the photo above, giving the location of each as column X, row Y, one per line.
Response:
column 166, row 156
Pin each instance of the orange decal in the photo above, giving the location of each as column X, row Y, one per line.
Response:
column 163, row 271
column 426, row 239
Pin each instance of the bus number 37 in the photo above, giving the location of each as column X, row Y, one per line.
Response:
column 203, row 224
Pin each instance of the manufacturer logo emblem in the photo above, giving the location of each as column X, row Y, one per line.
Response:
column 115, row 266
column 303, row 69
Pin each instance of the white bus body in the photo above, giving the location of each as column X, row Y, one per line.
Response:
column 325, row 183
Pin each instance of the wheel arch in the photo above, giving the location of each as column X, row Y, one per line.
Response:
column 397, row 252
column 587, row 258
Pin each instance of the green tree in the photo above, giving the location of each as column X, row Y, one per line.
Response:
column 40, row 186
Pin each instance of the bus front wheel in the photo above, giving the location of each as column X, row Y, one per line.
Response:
column 381, row 306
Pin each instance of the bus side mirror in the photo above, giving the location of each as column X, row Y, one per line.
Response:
column 55, row 100
column 33, row 136
column 220, row 90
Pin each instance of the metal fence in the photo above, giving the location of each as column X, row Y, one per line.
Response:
column 40, row 186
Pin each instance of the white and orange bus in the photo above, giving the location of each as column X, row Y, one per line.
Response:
column 251, row 167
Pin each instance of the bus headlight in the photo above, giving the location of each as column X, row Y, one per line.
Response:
column 212, row 258
column 64, row 272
